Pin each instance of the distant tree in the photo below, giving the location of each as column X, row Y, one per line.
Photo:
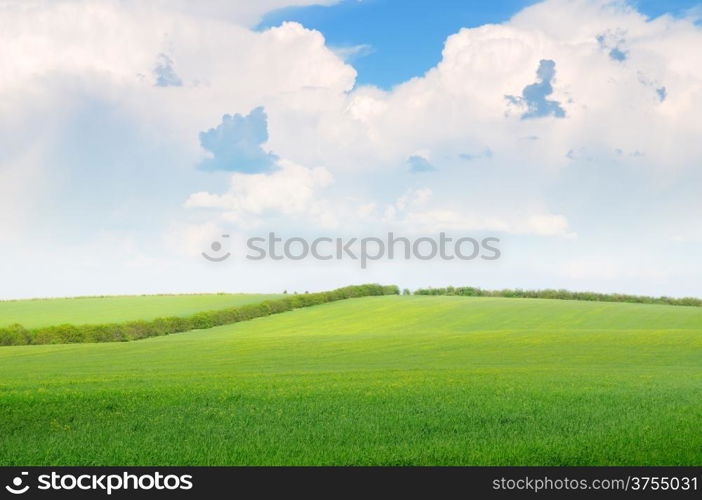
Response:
column 406, row 291
column 559, row 294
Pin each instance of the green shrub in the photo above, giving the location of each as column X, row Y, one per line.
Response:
column 559, row 294
column 15, row 335
column 60, row 334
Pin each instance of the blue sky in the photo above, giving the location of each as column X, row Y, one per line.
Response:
column 655, row 8
column 405, row 37
column 134, row 134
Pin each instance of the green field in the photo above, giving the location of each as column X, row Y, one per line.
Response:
column 389, row 380
column 83, row 310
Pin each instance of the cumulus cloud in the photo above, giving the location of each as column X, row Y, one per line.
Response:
column 235, row 144
column 86, row 130
column 446, row 219
column 419, row 210
column 245, row 13
column 241, row 12
column 292, row 191
column 71, row 70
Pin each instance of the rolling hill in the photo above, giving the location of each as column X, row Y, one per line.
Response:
column 391, row 380
column 82, row 310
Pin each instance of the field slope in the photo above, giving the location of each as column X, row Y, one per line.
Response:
column 388, row 380
column 85, row 310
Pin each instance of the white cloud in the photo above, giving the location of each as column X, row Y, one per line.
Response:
column 443, row 219
column 62, row 61
column 548, row 225
column 608, row 269
column 190, row 238
column 353, row 52
column 241, row 12
column 291, row 191
column 86, row 131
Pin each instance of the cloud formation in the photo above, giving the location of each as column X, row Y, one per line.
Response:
column 292, row 191
column 629, row 144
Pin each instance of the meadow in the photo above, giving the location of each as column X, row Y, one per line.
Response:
column 84, row 310
column 387, row 380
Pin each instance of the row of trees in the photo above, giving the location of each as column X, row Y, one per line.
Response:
column 133, row 330
column 469, row 291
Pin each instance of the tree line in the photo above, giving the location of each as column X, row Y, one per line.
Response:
column 470, row 291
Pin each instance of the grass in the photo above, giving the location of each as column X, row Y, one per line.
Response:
column 83, row 310
column 372, row 381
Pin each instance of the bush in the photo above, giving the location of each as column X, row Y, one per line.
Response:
column 15, row 335
column 559, row 294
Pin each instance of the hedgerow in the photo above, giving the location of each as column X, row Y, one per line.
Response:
column 134, row 330
column 469, row 291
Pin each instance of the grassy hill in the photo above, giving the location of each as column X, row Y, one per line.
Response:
column 83, row 310
column 388, row 380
